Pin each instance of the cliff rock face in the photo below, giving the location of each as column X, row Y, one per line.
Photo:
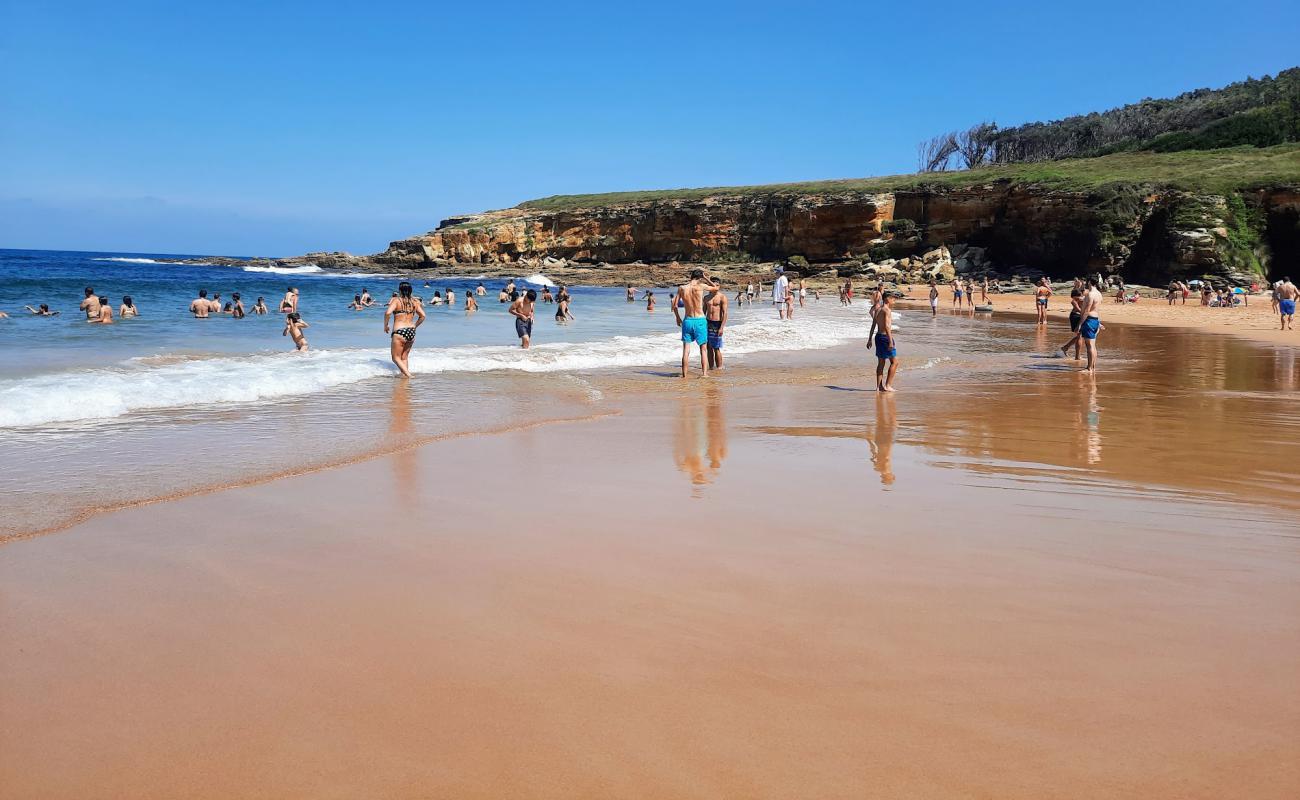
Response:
column 1146, row 235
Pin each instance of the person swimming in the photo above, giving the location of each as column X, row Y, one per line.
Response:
column 43, row 311
column 294, row 327
column 128, row 308
column 356, row 304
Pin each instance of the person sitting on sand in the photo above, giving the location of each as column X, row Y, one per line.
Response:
column 43, row 311
column 90, row 304
column 882, row 335
column 199, row 306
column 105, row 313
column 1286, row 300
column 261, row 308
column 522, row 310
column 294, row 325
column 128, row 309
column 237, row 307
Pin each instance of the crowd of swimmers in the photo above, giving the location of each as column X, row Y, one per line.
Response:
column 700, row 308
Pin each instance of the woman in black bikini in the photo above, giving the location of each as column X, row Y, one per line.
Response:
column 407, row 314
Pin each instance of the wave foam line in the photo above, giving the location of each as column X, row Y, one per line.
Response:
column 154, row 384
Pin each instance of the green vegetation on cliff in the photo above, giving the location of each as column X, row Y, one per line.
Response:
column 1206, row 171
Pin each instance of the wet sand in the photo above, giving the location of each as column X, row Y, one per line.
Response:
column 1257, row 321
column 744, row 587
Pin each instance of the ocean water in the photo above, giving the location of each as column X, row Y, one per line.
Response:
column 165, row 403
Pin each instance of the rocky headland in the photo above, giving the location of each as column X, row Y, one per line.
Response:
column 1230, row 217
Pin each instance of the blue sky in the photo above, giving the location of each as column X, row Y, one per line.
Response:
column 281, row 127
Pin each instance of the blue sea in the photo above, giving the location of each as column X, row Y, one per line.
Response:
column 165, row 403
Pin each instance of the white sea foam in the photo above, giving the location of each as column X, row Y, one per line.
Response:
column 539, row 280
column 131, row 260
column 136, row 385
column 303, row 270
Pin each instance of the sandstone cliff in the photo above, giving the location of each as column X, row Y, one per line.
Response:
column 1141, row 233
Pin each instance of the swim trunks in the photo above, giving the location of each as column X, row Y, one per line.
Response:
column 1075, row 319
column 695, row 329
column 1042, row 301
column 883, row 349
column 523, row 327
column 715, row 334
column 1287, row 307
column 1090, row 327
column 406, row 333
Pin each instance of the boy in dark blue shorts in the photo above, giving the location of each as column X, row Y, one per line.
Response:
column 882, row 335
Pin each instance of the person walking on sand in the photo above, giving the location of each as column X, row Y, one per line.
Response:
column 688, row 310
column 1076, row 317
column 293, row 328
column 934, row 298
column 199, row 306
column 407, row 313
column 984, row 291
column 522, row 310
column 1040, row 300
column 1286, row 299
column 715, row 314
column 90, row 305
column 882, row 335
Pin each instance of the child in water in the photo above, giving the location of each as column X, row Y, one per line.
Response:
column 293, row 327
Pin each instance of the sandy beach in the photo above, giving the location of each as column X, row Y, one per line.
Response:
column 775, row 583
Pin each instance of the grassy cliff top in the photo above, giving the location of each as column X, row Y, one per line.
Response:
column 1208, row 171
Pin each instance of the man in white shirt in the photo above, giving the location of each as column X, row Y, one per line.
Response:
column 781, row 296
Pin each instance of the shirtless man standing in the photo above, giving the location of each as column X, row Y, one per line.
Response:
column 882, row 335
column 1090, row 308
column 715, row 314
column 522, row 310
column 199, row 306
column 90, row 305
column 1286, row 297
column 695, row 328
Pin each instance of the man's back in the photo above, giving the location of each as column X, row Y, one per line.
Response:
column 692, row 295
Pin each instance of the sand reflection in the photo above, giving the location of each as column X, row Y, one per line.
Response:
column 700, row 437
column 881, row 437
column 400, row 430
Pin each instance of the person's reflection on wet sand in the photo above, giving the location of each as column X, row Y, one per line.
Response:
column 881, row 439
column 700, row 437
column 1087, row 420
column 400, row 430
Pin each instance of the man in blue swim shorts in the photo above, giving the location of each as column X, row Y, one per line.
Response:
column 1286, row 297
column 715, row 312
column 688, row 310
column 882, row 334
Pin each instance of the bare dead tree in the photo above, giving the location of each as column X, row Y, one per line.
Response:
column 935, row 154
column 975, row 144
